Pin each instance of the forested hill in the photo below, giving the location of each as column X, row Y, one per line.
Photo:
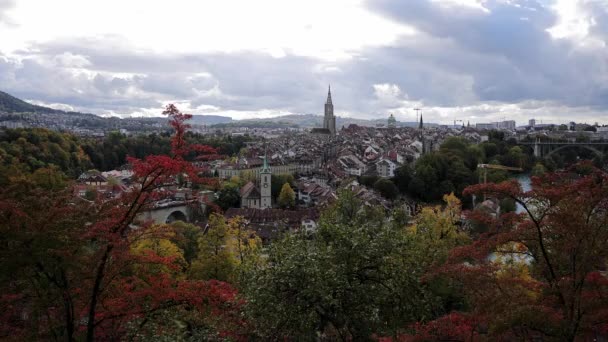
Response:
column 11, row 104
column 25, row 150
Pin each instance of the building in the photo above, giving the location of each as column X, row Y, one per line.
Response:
column 271, row 224
column 386, row 168
column 252, row 197
column 532, row 123
column 265, row 182
column 392, row 122
column 508, row 125
column 329, row 120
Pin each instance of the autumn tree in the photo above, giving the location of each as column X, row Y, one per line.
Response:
column 225, row 250
column 76, row 267
column 287, row 197
column 541, row 273
column 215, row 260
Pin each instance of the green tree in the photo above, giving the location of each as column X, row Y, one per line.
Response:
column 287, row 197
column 229, row 197
column 403, row 177
column 539, row 169
column 186, row 238
column 277, row 181
column 358, row 274
column 49, row 178
column 386, row 188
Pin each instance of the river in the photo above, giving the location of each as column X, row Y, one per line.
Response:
column 524, row 181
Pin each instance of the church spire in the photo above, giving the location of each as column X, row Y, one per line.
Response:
column 265, row 167
column 328, row 95
column 421, row 122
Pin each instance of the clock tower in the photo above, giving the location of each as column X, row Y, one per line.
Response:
column 265, row 184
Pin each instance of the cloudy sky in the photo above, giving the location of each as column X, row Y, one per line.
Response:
column 471, row 60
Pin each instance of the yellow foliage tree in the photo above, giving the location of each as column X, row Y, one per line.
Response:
column 436, row 227
column 225, row 250
column 437, row 223
column 214, row 260
column 287, row 197
column 158, row 241
column 244, row 243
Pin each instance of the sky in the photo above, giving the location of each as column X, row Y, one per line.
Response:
column 470, row 60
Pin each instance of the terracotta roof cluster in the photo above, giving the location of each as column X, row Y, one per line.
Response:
column 270, row 223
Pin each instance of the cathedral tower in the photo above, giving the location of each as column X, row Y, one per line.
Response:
column 329, row 120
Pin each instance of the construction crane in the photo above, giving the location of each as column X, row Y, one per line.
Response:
column 485, row 168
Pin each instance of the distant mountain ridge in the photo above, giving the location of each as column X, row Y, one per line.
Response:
column 11, row 104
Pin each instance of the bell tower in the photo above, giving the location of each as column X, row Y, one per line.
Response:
column 265, row 186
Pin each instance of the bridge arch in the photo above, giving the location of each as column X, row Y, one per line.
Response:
column 176, row 215
column 590, row 148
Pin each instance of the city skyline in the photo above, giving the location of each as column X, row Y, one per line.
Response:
column 477, row 61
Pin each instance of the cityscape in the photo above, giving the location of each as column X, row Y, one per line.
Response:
column 419, row 179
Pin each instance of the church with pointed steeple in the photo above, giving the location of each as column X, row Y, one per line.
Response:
column 329, row 120
column 258, row 198
column 265, row 185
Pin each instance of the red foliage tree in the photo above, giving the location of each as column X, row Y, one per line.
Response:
column 67, row 265
column 540, row 273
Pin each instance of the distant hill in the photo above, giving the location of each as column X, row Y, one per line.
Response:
column 11, row 104
column 209, row 119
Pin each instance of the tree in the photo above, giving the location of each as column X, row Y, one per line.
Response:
column 49, row 178
column 75, row 268
column 229, row 197
column 226, row 251
column 214, row 260
column 438, row 228
column 186, row 238
column 386, row 188
column 403, row 177
column 546, row 260
column 357, row 275
column 287, row 197
column 368, row 180
column 277, row 182
column 157, row 241
column 539, row 169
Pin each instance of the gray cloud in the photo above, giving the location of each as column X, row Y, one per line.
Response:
column 508, row 51
column 462, row 57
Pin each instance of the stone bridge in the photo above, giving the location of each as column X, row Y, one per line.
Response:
column 545, row 149
column 168, row 212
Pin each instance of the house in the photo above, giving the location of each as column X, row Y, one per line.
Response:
column 92, row 177
column 386, row 168
column 352, row 165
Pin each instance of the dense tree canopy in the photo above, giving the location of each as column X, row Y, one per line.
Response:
column 76, row 269
column 539, row 274
column 358, row 274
